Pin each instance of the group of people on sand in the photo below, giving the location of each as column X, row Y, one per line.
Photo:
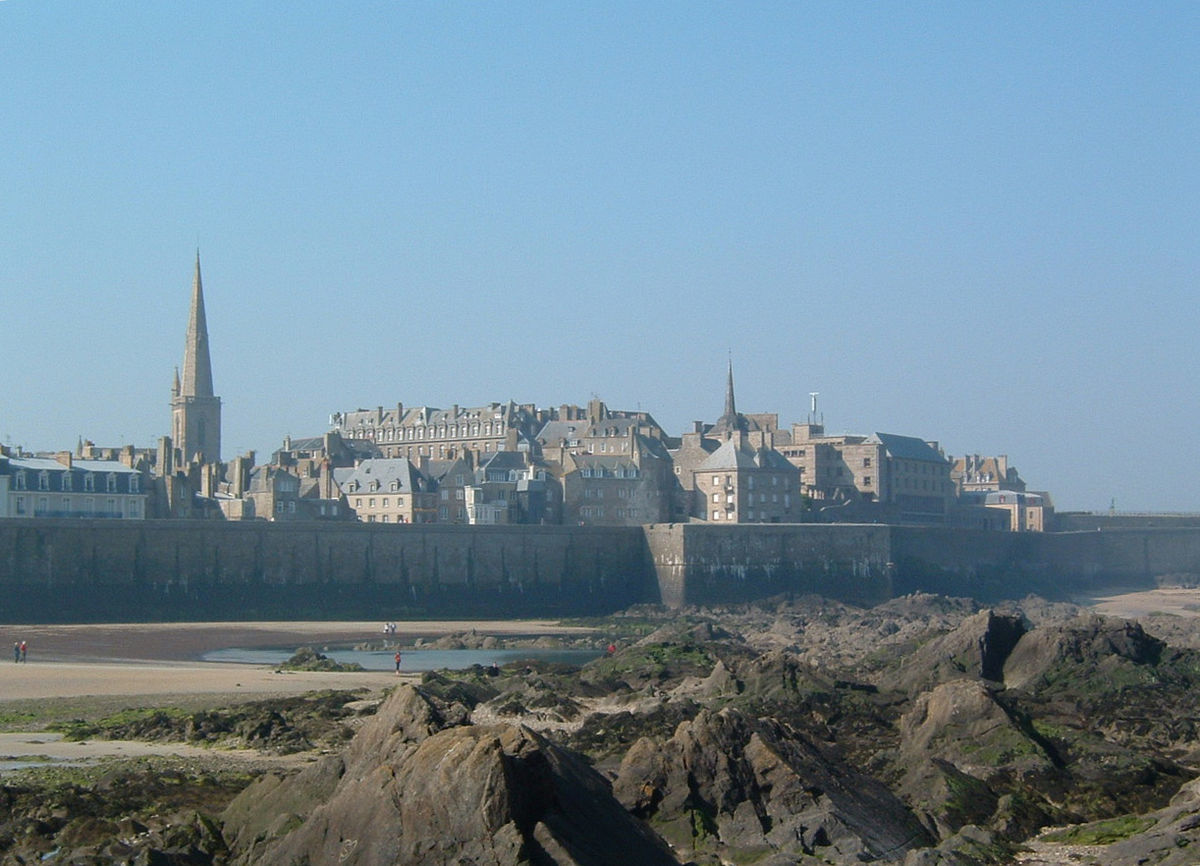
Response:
column 20, row 650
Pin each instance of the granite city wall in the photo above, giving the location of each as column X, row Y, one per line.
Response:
column 58, row 570
column 703, row 564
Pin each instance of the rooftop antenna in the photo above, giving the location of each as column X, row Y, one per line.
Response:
column 812, row 414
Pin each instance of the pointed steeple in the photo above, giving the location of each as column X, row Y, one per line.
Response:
column 730, row 422
column 195, row 410
column 197, row 366
column 730, row 409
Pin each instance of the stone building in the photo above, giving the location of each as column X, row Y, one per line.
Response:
column 882, row 477
column 974, row 474
column 66, row 487
column 1027, row 512
column 388, row 490
column 443, row 434
column 627, row 488
column 511, row 488
column 731, row 472
column 742, row 482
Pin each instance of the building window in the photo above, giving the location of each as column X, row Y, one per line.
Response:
column 66, row 481
column 20, row 505
column 21, row 480
column 110, row 483
column 43, row 480
column 716, row 515
column 135, row 485
column 716, row 497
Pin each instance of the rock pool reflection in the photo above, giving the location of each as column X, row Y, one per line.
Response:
column 414, row 660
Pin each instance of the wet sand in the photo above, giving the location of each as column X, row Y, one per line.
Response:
column 1139, row 603
column 165, row 659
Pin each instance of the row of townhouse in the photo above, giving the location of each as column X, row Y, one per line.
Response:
column 63, row 486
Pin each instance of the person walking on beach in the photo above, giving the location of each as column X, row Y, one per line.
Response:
column 24, row 650
column 16, row 652
column 397, row 662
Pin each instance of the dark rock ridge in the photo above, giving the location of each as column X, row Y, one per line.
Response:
column 740, row 787
column 410, row 791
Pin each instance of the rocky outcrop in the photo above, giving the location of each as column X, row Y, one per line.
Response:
column 976, row 649
column 1104, row 644
column 409, row 792
column 733, row 787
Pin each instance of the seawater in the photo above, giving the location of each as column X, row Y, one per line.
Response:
column 413, row 660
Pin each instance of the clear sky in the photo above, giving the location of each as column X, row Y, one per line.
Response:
column 975, row 223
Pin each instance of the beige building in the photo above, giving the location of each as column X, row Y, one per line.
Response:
column 744, row 483
column 622, row 489
column 66, row 487
column 442, row 434
column 388, row 491
column 1026, row 511
column 976, row 474
column 881, row 476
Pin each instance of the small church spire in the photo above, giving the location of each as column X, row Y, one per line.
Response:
column 730, row 409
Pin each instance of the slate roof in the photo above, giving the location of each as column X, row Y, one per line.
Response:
column 39, row 464
column 738, row 455
column 554, row 432
column 386, row 471
column 908, row 448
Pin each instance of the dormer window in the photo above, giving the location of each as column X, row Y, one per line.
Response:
column 134, row 483
column 66, row 481
column 20, row 480
column 43, row 480
column 89, row 482
column 110, row 483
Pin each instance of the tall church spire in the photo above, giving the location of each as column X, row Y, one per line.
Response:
column 197, row 367
column 195, row 410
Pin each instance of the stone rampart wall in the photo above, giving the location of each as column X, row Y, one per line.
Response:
column 107, row 570
column 705, row 564
column 192, row 570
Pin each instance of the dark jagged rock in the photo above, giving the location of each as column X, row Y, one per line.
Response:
column 1092, row 641
column 407, row 794
column 735, row 787
column 976, row 649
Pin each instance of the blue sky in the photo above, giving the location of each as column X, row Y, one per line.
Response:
column 975, row 223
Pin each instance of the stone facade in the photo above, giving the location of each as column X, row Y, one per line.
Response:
column 442, row 434
column 66, row 487
column 389, row 490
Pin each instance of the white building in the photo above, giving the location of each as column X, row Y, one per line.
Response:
column 66, row 487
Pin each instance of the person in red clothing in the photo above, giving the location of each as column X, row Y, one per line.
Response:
column 397, row 661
